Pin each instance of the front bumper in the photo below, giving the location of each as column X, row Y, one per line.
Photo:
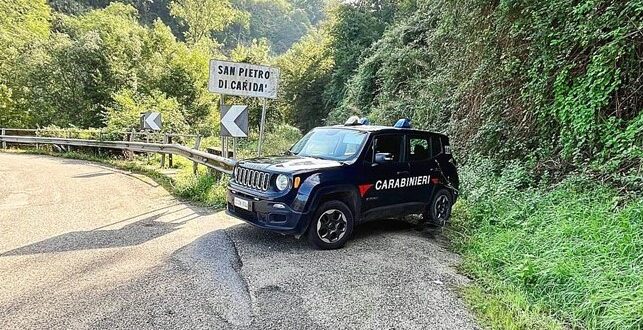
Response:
column 263, row 214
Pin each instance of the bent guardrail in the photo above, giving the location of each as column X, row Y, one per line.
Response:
column 217, row 163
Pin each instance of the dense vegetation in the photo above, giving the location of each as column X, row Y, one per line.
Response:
column 543, row 101
column 101, row 63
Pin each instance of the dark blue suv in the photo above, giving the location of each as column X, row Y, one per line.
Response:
column 336, row 177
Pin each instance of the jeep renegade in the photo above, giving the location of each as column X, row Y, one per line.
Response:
column 338, row 176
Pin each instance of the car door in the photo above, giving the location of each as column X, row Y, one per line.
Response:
column 422, row 150
column 384, row 192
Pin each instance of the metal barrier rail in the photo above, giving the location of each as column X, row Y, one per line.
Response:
column 218, row 163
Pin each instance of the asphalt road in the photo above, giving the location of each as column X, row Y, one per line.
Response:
column 87, row 246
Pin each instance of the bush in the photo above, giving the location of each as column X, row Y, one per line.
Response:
column 558, row 79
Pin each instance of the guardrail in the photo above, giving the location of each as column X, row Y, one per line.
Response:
column 215, row 162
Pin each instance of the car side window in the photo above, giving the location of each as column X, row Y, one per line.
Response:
column 389, row 143
column 421, row 148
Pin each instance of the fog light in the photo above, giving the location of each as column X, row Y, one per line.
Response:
column 279, row 206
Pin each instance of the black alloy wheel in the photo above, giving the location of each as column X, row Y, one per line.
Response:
column 331, row 226
column 440, row 208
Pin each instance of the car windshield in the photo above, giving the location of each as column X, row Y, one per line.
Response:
column 330, row 143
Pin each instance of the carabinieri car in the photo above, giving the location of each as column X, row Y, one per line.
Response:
column 338, row 176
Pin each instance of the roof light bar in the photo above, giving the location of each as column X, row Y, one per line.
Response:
column 403, row 123
column 352, row 121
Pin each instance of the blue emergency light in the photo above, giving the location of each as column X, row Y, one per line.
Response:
column 403, row 123
column 355, row 120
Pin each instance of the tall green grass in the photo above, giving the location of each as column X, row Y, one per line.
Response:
column 564, row 254
column 203, row 188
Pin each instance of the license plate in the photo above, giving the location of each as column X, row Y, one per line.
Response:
column 242, row 203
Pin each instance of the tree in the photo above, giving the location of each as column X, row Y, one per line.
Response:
column 24, row 27
column 203, row 17
column 355, row 27
column 279, row 21
column 305, row 72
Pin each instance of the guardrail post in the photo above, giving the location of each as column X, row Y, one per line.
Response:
column 147, row 140
column 169, row 156
column 197, row 144
column 163, row 155
column 4, row 144
column 68, row 135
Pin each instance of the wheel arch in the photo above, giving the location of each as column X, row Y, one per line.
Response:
column 344, row 193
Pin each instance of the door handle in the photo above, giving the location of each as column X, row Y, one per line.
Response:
column 402, row 172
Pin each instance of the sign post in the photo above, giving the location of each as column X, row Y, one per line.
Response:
column 261, row 126
column 242, row 79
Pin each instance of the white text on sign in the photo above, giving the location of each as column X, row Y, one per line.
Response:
column 243, row 79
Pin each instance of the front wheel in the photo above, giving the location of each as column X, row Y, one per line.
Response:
column 439, row 210
column 331, row 226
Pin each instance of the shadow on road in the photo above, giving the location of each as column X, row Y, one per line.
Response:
column 147, row 181
column 135, row 233
column 91, row 175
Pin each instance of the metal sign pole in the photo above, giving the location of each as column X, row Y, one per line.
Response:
column 261, row 127
column 234, row 148
column 221, row 104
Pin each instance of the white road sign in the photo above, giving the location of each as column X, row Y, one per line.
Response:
column 243, row 79
column 234, row 120
column 151, row 120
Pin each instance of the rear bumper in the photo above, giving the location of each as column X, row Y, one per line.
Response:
column 264, row 214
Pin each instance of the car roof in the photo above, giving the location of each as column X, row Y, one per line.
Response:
column 384, row 129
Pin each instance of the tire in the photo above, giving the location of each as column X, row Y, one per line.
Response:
column 439, row 210
column 331, row 226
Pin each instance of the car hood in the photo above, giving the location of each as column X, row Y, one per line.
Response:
column 287, row 164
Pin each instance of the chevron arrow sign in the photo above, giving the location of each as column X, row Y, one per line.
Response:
column 151, row 120
column 234, row 120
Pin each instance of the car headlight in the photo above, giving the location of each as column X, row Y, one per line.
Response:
column 281, row 182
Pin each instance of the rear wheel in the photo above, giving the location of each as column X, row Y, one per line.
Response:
column 331, row 226
column 439, row 210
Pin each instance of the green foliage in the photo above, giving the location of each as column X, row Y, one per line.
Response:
column 277, row 21
column 556, row 78
column 305, row 72
column 572, row 251
column 355, row 26
column 203, row 17
column 24, row 26
column 76, row 75
column 22, row 21
column 204, row 189
column 125, row 114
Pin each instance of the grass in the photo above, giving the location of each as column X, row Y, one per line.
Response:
column 554, row 256
column 203, row 189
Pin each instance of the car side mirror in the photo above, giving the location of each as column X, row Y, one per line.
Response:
column 383, row 157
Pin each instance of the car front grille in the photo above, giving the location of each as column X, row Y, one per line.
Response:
column 252, row 178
